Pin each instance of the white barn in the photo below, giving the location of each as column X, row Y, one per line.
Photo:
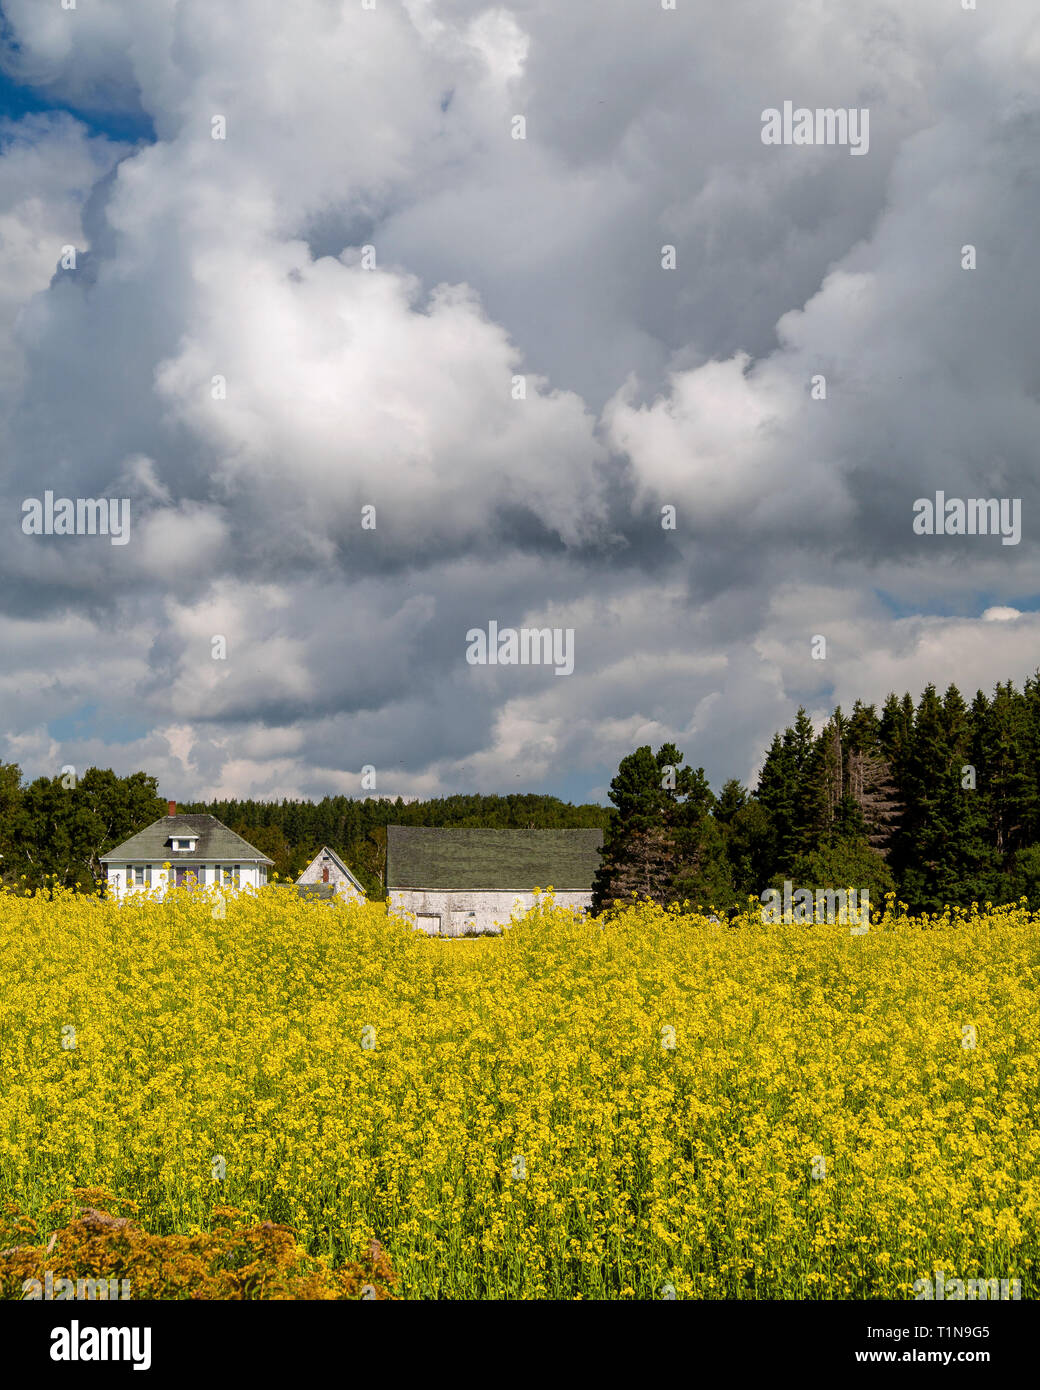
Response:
column 457, row 881
column 199, row 850
column 328, row 875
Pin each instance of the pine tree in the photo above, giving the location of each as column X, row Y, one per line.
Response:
column 704, row 877
column 919, row 851
column 777, row 793
column 732, row 798
column 1031, row 702
column 844, row 862
column 1010, row 780
column 749, row 850
column 823, row 786
column 639, row 864
column 896, row 731
column 972, row 867
column 661, row 810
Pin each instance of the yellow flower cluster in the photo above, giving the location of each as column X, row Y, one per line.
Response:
column 618, row 1107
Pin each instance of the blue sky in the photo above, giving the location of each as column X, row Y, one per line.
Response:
column 17, row 100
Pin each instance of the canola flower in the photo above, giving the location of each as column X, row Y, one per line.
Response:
column 581, row 1108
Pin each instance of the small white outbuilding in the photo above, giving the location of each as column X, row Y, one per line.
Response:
column 327, row 875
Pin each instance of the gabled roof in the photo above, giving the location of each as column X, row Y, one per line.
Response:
column 499, row 860
column 215, row 841
column 337, row 860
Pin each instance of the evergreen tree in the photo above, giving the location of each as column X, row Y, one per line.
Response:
column 1031, row 703
column 1010, row 780
column 731, row 799
column 972, row 871
column 921, row 845
column 822, row 788
column 704, row 878
column 1023, row 878
column 662, row 827
column 895, row 733
column 749, row 850
column 777, row 793
column 638, row 855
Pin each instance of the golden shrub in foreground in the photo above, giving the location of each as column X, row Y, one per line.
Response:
column 580, row 1108
column 232, row 1261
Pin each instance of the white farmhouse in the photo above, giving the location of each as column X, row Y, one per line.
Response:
column 457, row 881
column 199, row 850
column 327, row 876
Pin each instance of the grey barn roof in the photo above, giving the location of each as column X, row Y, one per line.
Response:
column 215, row 841
column 502, row 860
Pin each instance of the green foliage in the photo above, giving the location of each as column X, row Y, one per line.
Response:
column 1023, row 879
column 938, row 801
column 663, row 842
column 60, row 826
column 705, row 879
column 843, row 863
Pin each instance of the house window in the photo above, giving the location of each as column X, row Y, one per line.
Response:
column 139, row 875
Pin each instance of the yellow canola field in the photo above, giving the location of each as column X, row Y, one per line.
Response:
column 618, row 1108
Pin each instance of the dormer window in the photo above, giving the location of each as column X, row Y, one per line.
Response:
column 186, row 842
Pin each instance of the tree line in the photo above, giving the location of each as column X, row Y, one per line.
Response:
column 938, row 802
column 292, row 832
column 58, row 827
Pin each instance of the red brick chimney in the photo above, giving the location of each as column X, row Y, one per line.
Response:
column 172, row 805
